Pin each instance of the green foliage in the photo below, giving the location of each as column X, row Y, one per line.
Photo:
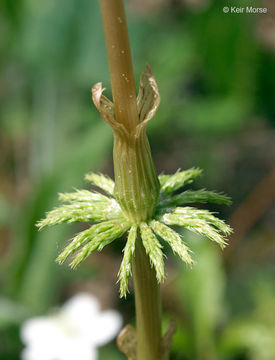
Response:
column 97, row 242
column 201, row 291
column 253, row 333
column 86, row 236
column 198, row 221
column 84, row 206
column 174, row 240
column 196, row 196
column 11, row 312
column 126, row 264
column 89, row 206
column 110, row 351
column 153, row 250
column 171, row 183
column 103, row 182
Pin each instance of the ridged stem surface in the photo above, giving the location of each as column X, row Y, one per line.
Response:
column 136, row 182
column 148, row 308
column 120, row 62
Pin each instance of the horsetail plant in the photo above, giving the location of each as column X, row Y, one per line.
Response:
column 138, row 203
column 111, row 223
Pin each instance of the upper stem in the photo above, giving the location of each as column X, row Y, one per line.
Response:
column 120, row 62
column 136, row 182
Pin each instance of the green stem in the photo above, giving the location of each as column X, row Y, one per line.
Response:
column 136, row 182
column 148, row 308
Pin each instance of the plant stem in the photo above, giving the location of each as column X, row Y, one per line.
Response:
column 148, row 308
column 136, row 182
column 120, row 62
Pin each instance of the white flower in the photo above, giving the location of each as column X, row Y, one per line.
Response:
column 73, row 333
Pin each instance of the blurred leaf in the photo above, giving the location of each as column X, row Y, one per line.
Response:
column 11, row 312
column 201, row 290
column 254, row 333
column 250, row 337
column 34, row 272
column 215, row 115
column 5, row 210
column 110, row 352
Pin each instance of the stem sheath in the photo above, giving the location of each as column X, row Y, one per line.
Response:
column 120, row 62
column 136, row 182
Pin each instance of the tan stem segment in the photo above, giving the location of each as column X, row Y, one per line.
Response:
column 148, row 309
column 120, row 62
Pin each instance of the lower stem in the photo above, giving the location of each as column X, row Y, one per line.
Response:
column 148, row 307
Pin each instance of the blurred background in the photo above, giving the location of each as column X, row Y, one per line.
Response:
column 216, row 74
